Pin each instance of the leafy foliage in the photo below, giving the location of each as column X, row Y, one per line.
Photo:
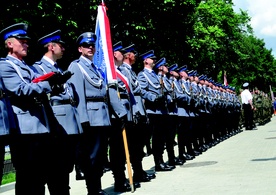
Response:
column 207, row 35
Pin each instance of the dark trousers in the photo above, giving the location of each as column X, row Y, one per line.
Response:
column 159, row 124
column 4, row 140
column 170, row 133
column 248, row 116
column 92, row 155
column 184, row 135
column 116, row 152
column 135, row 138
column 136, row 142
column 37, row 163
column 67, row 146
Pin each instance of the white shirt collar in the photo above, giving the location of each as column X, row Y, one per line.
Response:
column 49, row 60
column 86, row 59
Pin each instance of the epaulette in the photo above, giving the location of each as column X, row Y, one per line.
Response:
column 3, row 59
column 77, row 60
column 38, row 62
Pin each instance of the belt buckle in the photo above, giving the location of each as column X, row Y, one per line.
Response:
column 105, row 99
column 72, row 101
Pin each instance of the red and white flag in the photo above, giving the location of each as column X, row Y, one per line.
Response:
column 126, row 82
column 103, row 57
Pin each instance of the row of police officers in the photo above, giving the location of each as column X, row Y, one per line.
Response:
column 55, row 119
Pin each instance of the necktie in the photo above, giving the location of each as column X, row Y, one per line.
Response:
column 58, row 69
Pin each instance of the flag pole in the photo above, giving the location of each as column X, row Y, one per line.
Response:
column 124, row 135
column 128, row 160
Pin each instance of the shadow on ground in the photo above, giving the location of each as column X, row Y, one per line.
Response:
column 264, row 159
column 199, row 164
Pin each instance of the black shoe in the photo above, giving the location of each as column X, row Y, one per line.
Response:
column 122, row 187
column 136, row 185
column 196, row 152
column 186, row 156
column 171, row 164
column 106, row 169
column 162, row 167
column 102, row 192
column 151, row 175
column 141, row 177
column 79, row 175
column 179, row 161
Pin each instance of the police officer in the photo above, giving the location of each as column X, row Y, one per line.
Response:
column 62, row 101
column 94, row 100
column 186, row 117
column 32, row 145
column 247, row 104
column 153, row 94
column 181, row 101
column 116, row 142
column 7, row 124
column 194, row 105
column 170, row 103
column 136, row 129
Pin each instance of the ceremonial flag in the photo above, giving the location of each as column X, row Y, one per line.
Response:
column 126, row 82
column 103, row 57
column 225, row 79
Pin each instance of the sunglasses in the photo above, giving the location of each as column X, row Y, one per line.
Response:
column 88, row 45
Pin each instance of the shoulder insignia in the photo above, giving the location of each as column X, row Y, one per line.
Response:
column 38, row 62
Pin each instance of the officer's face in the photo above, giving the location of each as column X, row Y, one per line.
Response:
column 18, row 47
column 183, row 74
column 201, row 82
column 165, row 69
column 87, row 50
column 174, row 74
column 58, row 50
column 132, row 57
column 150, row 62
column 118, row 58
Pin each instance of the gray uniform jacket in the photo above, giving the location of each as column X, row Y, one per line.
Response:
column 63, row 104
column 186, row 86
column 150, row 89
column 139, row 107
column 195, row 93
column 92, row 94
column 181, row 98
column 29, row 100
column 171, row 100
column 7, row 121
column 125, row 98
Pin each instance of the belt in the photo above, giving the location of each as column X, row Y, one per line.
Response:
column 96, row 99
column 124, row 96
column 2, row 94
column 60, row 102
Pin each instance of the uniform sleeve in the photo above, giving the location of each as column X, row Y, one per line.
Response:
column 16, row 86
column 77, row 82
column 144, row 84
column 115, row 102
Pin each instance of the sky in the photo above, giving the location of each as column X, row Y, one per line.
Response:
column 263, row 19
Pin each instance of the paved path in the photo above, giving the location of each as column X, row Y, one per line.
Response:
column 244, row 164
